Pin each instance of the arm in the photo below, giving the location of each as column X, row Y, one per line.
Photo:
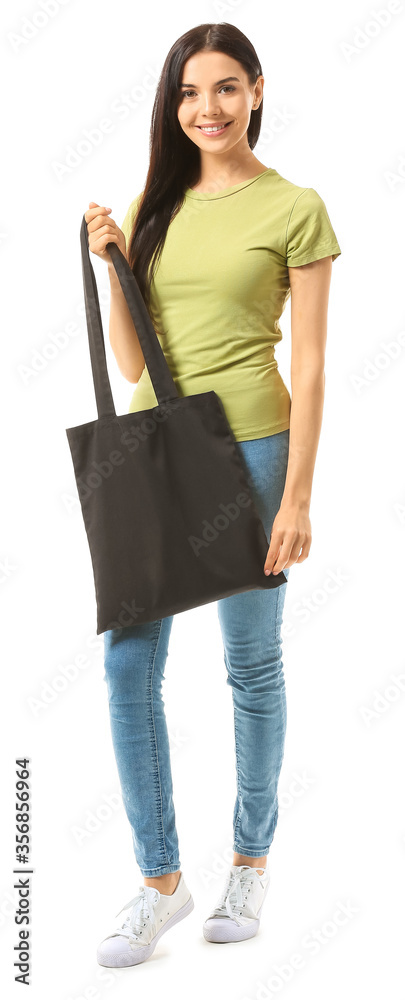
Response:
column 124, row 339
column 291, row 530
column 123, row 336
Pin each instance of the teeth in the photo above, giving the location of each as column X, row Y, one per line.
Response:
column 215, row 128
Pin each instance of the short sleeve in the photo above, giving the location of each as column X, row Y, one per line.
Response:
column 310, row 235
column 129, row 219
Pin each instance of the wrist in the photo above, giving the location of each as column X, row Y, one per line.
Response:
column 113, row 276
column 298, row 500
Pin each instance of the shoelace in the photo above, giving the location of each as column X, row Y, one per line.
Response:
column 234, row 897
column 142, row 907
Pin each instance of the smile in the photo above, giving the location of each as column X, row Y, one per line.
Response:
column 213, row 129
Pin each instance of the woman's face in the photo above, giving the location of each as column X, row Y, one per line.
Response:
column 208, row 97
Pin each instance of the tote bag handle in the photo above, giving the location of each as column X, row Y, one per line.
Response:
column 155, row 360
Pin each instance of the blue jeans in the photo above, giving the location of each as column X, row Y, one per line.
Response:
column 135, row 659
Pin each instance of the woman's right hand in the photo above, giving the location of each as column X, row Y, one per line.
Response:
column 102, row 230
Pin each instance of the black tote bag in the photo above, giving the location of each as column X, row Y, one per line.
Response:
column 171, row 523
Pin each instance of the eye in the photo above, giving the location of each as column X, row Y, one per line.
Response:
column 225, row 87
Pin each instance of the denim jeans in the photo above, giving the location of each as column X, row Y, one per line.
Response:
column 135, row 658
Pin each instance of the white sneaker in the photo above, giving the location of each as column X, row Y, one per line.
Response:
column 151, row 915
column 237, row 915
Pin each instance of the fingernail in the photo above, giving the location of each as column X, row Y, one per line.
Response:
column 267, row 572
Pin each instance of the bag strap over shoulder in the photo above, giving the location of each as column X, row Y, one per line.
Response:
column 155, row 360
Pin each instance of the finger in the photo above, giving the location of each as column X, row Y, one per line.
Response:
column 94, row 204
column 283, row 558
column 98, row 222
column 299, row 552
column 279, row 565
column 99, row 245
column 271, row 557
column 296, row 548
column 95, row 210
column 106, row 234
column 96, row 231
column 305, row 551
column 89, row 214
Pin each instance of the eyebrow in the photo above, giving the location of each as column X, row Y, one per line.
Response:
column 215, row 84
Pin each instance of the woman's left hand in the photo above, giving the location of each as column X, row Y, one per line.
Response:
column 290, row 538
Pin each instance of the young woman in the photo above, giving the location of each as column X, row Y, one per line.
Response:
column 217, row 242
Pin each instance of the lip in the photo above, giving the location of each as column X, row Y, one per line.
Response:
column 220, row 131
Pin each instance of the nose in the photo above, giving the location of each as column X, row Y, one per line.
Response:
column 209, row 104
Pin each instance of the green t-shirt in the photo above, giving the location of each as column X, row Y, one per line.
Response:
column 220, row 288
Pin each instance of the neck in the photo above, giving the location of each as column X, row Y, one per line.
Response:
column 222, row 172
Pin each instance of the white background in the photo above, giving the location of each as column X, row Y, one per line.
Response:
column 340, row 839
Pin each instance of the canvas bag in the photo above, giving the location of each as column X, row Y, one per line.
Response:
column 170, row 519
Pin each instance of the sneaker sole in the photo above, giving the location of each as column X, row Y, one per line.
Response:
column 222, row 930
column 142, row 952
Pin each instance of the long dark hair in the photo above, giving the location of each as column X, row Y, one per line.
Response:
column 174, row 159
